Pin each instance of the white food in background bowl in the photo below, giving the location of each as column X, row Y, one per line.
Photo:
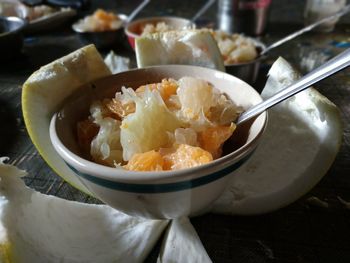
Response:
column 186, row 47
column 99, row 21
column 235, row 48
column 150, row 28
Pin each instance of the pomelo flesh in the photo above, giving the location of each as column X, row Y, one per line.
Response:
column 187, row 47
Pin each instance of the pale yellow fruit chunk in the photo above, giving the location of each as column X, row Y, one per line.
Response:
column 187, row 47
column 148, row 161
column 43, row 94
column 185, row 156
column 147, row 128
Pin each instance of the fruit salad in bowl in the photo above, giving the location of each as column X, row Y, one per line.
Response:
column 169, row 125
column 102, row 28
column 236, row 48
column 241, row 54
column 168, row 159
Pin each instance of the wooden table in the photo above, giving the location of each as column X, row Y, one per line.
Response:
column 300, row 232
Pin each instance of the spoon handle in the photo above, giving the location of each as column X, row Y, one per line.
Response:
column 137, row 10
column 332, row 66
column 345, row 10
column 202, row 10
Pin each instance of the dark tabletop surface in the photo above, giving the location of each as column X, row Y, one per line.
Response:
column 301, row 232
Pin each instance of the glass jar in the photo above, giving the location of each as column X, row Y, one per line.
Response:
column 243, row 16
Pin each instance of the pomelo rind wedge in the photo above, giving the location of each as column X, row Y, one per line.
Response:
column 182, row 244
column 39, row 228
column 46, row 89
column 302, row 139
column 187, row 47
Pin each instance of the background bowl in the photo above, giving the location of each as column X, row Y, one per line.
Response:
column 102, row 39
column 167, row 194
column 248, row 71
column 11, row 37
column 134, row 28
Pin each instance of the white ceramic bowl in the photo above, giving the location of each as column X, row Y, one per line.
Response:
column 169, row 194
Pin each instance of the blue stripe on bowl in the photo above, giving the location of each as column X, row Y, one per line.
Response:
column 161, row 188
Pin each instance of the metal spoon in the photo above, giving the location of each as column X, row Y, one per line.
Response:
column 344, row 11
column 200, row 12
column 334, row 65
column 137, row 10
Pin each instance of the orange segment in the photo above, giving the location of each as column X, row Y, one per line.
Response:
column 119, row 108
column 213, row 138
column 166, row 88
column 102, row 15
column 185, row 156
column 105, row 19
column 148, row 161
column 151, row 86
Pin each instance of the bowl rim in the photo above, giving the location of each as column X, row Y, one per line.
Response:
column 120, row 174
column 123, row 17
column 150, row 19
column 20, row 21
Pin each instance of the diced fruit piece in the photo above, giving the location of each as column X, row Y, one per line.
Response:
column 191, row 47
column 105, row 16
column 148, row 161
column 235, row 48
column 224, row 112
column 185, row 136
column 213, row 138
column 147, row 129
column 185, row 156
column 196, row 96
column 166, row 88
column 105, row 147
column 121, row 108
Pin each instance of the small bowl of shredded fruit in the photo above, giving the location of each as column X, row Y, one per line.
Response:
column 241, row 54
column 102, row 28
column 158, row 142
column 151, row 25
